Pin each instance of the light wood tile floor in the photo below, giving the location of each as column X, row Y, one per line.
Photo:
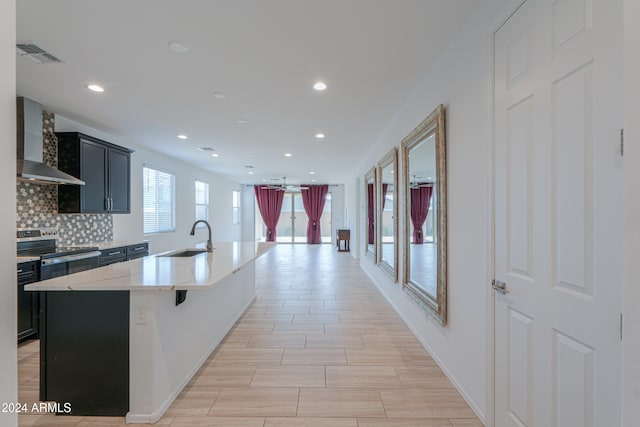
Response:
column 320, row 346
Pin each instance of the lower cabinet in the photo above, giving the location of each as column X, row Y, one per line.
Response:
column 28, row 302
column 123, row 253
column 84, row 351
column 137, row 251
column 113, row 255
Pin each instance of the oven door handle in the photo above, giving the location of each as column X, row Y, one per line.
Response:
column 69, row 258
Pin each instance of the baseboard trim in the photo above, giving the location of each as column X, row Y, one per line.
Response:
column 474, row 407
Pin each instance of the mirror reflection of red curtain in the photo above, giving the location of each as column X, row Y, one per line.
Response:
column 313, row 199
column 270, row 204
column 371, row 213
column 384, row 194
column 420, row 199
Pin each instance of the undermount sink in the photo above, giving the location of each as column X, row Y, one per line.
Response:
column 185, row 253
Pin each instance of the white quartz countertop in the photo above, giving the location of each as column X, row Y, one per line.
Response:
column 157, row 272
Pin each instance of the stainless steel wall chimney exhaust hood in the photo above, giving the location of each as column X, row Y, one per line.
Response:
column 30, row 166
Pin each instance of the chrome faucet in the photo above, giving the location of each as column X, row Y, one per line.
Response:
column 193, row 232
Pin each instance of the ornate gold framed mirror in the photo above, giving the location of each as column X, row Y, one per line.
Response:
column 425, row 200
column 370, row 214
column 388, row 213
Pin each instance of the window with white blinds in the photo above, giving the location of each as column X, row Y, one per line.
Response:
column 202, row 201
column 159, row 201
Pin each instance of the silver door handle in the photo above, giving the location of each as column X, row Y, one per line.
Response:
column 499, row 286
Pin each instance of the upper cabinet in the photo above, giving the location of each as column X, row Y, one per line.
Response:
column 104, row 167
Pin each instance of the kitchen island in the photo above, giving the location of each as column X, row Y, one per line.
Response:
column 124, row 340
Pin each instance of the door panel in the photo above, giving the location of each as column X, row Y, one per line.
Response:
column 119, row 181
column 520, row 368
column 571, row 22
column 573, row 392
column 519, row 185
column 94, row 165
column 558, row 214
column 572, row 114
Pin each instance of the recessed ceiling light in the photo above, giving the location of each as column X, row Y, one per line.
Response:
column 250, row 172
column 312, row 173
column 95, row 88
column 215, row 155
column 320, row 86
column 313, row 180
column 182, row 136
column 241, row 121
column 429, row 177
column 288, row 155
column 219, row 95
column 178, row 47
column 264, row 180
column 392, row 172
column 320, row 135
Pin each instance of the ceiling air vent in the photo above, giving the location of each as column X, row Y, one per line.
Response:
column 35, row 54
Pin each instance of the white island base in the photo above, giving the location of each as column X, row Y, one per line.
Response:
column 169, row 343
column 179, row 310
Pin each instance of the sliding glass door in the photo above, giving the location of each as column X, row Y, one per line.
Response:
column 292, row 225
column 285, row 231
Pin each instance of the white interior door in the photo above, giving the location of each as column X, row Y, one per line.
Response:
column 558, row 214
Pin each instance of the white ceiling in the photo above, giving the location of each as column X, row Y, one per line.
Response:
column 264, row 55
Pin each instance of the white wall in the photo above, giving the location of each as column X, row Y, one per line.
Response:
column 130, row 226
column 8, row 290
column 631, row 330
column 460, row 80
column 353, row 214
column 248, row 213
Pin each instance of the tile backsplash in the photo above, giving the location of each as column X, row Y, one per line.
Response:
column 37, row 204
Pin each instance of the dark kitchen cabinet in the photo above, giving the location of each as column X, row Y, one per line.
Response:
column 137, row 251
column 113, row 255
column 104, row 167
column 123, row 253
column 28, row 302
column 84, row 351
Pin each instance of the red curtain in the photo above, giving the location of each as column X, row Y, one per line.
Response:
column 420, row 199
column 270, row 205
column 371, row 213
column 313, row 198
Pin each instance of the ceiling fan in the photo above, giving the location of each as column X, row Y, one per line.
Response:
column 284, row 186
column 415, row 184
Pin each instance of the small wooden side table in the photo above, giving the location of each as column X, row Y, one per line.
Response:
column 343, row 235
